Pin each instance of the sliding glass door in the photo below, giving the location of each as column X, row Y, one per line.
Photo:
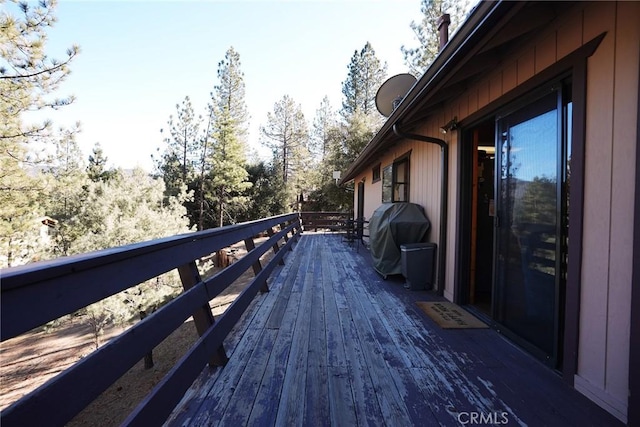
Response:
column 531, row 183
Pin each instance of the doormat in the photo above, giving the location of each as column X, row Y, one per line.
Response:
column 450, row 316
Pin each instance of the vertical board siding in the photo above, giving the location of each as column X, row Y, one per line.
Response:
column 495, row 86
column 545, row 52
column 510, row 77
column 570, row 34
column 623, row 181
column 483, row 93
column 603, row 351
column 463, row 105
column 597, row 203
column 526, row 65
column 473, row 101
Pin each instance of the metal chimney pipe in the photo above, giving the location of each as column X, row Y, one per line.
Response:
column 443, row 29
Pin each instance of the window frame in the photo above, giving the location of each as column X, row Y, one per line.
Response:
column 376, row 175
column 391, row 183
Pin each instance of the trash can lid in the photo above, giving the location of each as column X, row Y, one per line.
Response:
column 424, row 245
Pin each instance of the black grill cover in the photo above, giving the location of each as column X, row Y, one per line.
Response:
column 392, row 225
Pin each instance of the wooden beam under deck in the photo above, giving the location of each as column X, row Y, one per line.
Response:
column 331, row 343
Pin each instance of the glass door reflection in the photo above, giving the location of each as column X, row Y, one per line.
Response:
column 527, row 232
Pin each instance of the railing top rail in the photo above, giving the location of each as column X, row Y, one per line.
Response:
column 324, row 213
column 45, row 270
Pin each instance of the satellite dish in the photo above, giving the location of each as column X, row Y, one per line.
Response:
column 392, row 92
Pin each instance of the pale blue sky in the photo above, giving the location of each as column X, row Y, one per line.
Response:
column 139, row 59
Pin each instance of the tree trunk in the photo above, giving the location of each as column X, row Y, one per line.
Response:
column 221, row 205
column 201, row 212
column 148, row 358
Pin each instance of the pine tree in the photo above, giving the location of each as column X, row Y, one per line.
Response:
column 266, row 197
column 28, row 76
column 347, row 140
column 179, row 163
column 97, row 167
column 324, row 123
column 66, row 193
column 287, row 136
column 365, row 76
column 419, row 58
column 183, row 141
column 228, row 177
column 326, row 136
column 343, row 140
column 229, row 94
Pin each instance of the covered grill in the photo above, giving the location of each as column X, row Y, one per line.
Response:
column 392, row 225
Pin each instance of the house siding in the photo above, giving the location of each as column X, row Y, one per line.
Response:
column 609, row 204
column 612, row 88
column 609, row 181
column 424, row 167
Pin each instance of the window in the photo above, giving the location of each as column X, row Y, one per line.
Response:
column 387, row 184
column 395, row 181
column 401, row 181
column 375, row 172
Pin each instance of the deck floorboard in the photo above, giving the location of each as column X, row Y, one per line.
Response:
column 332, row 343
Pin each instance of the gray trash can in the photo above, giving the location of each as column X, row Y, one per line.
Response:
column 418, row 260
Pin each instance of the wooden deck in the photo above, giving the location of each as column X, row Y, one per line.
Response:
column 334, row 344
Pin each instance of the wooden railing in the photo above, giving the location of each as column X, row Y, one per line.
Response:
column 333, row 221
column 35, row 294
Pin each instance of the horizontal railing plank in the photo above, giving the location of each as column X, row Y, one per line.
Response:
column 62, row 286
column 334, row 221
column 61, row 398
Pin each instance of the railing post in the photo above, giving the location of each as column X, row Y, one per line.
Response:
column 203, row 319
column 296, row 231
column 257, row 267
column 276, row 246
column 283, row 225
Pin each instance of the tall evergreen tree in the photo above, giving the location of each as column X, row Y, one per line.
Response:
column 426, row 31
column 27, row 74
column 355, row 132
column 326, row 136
column 179, row 162
column 28, row 78
column 287, row 136
column 66, row 193
column 183, row 142
column 228, row 117
column 324, row 123
column 365, row 76
column 266, row 196
column 229, row 177
column 229, row 93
